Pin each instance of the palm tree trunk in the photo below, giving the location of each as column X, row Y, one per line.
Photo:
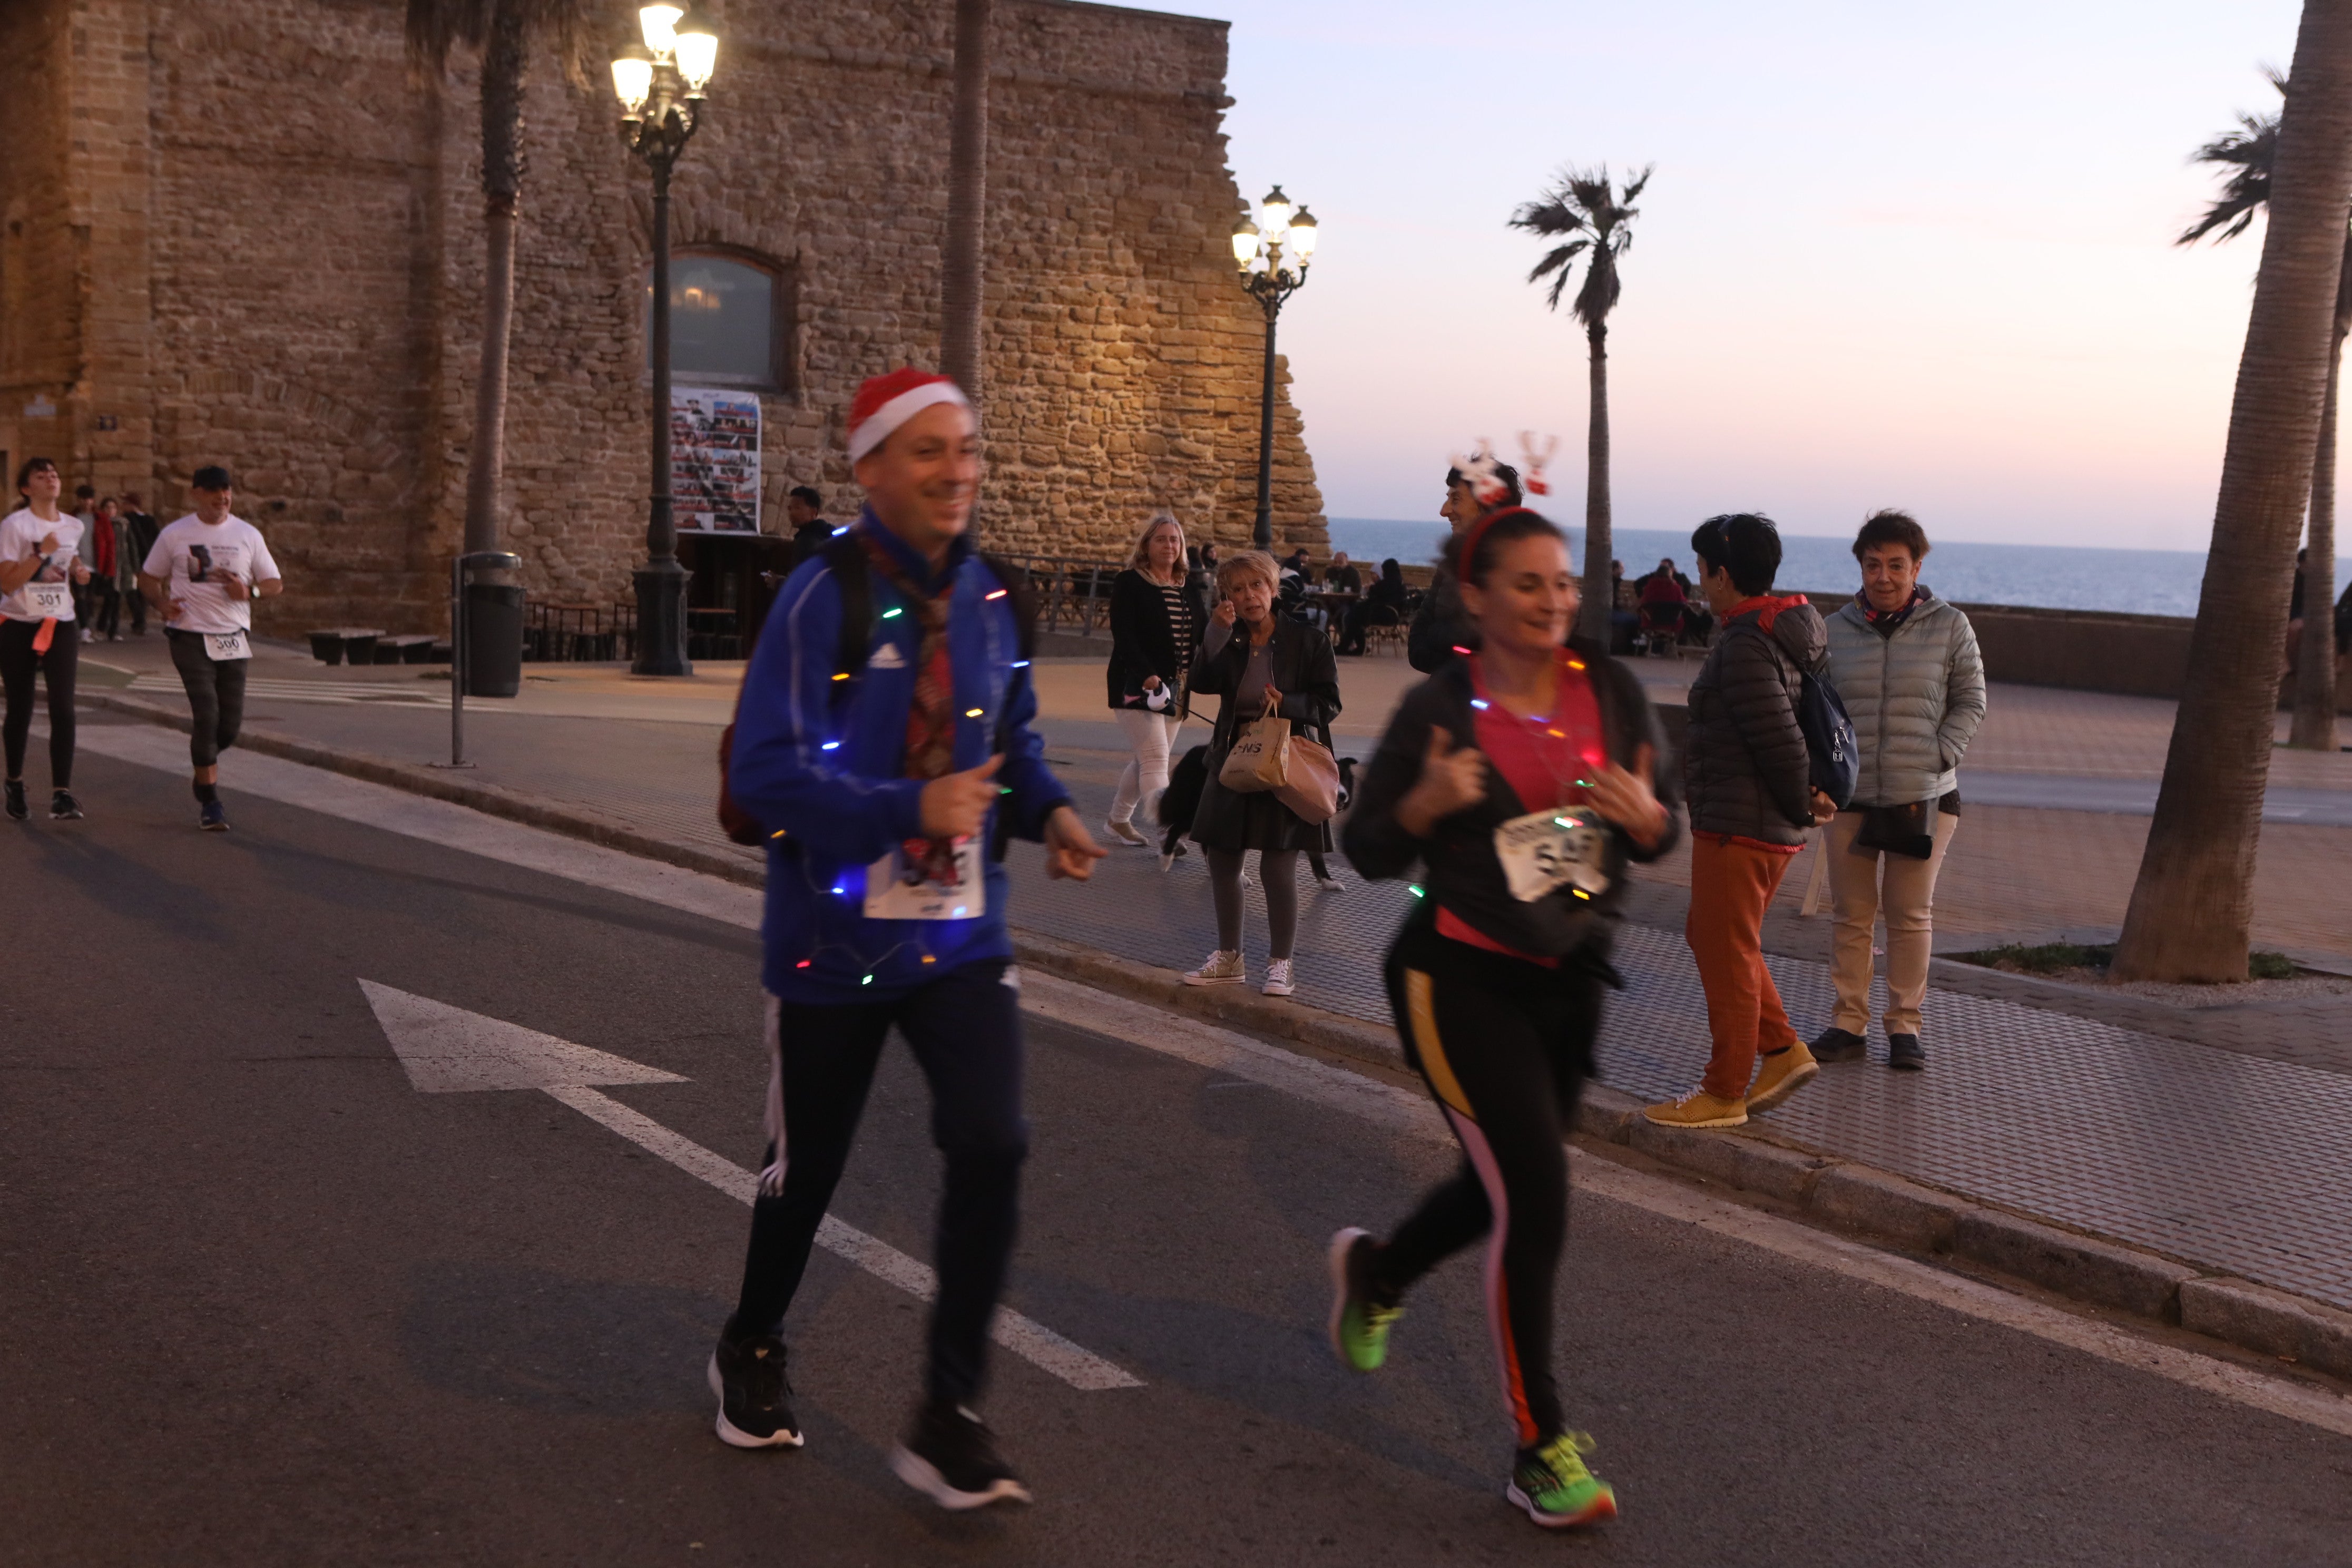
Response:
column 2314, row 728
column 959, row 291
column 1600, row 586
column 2191, row 910
column 502, row 72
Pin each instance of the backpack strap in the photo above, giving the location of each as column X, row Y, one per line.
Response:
column 845, row 557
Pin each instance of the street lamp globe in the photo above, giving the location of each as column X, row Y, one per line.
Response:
column 1245, row 244
column 698, row 54
column 1274, row 214
column 633, row 78
column 659, row 22
column 1302, row 237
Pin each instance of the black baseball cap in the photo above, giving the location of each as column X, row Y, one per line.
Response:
column 212, row 477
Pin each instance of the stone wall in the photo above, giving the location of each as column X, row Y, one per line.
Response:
column 249, row 237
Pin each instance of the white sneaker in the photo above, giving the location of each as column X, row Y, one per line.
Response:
column 1223, row 967
column 1124, row 831
column 1248, row 880
column 1278, row 978
column 1327, row 884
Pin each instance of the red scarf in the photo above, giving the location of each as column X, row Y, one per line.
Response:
column 932, row 717
column 102, row 545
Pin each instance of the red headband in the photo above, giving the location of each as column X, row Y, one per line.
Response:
column 1478, row 532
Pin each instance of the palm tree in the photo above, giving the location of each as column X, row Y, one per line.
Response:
column 960, row 288
column 1601, row 218
column 2192, row 908
column 503, row 31
column 2247, row 153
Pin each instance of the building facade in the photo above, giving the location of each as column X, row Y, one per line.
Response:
column 247, row 232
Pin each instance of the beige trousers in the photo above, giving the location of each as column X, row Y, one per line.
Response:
column 1905, row 899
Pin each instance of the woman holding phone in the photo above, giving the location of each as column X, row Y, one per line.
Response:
column 1522, row 778
column 1260, row 664
column 1152, row 631
column 40, row 567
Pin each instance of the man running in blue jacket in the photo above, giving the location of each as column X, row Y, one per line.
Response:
column 880, row 759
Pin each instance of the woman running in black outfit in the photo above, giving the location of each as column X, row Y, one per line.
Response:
column 1521, row 778
column 40, row 567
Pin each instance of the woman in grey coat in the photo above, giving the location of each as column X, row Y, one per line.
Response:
column 1906, row 665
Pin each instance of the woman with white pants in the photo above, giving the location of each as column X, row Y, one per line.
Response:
column 1152, row 635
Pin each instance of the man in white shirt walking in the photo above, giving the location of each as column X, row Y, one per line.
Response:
column 203, row 573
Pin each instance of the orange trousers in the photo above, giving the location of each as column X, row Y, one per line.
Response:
column 1731, row 884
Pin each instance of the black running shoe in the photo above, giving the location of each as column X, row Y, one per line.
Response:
column 211, row 817
column 1837, row 1045
column 950, row 1458
column 755, row 1398
column 63, row 807
column 1903, row 1052
column 17, row 812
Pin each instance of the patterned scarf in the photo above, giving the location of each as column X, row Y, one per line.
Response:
column 932, row 717
column 1885, row 622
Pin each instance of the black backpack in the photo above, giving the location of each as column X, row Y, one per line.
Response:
column 846, row 560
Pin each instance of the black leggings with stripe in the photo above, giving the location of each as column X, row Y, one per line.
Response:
column 1504, row 1045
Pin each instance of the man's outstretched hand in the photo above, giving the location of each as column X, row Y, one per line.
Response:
column 1070, row 850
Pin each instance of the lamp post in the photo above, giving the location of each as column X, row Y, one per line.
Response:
column 1259, row 251
column 660, row 85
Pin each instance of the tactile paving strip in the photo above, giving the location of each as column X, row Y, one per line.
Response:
column 2233, row 1161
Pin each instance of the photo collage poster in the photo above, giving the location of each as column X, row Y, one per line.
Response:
column 714, row 460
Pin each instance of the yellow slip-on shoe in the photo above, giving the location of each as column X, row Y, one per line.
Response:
column 1699, row 1109
column 1781, row 1075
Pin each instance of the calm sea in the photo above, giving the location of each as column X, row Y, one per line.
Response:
column 2061, row 577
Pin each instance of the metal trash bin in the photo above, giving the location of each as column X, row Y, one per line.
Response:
column 490, row 640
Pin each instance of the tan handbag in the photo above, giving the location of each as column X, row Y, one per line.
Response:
column 1260, row 756
column 1312, row 790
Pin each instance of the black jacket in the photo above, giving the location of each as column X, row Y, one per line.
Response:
column 1462, row 873
column 1439, row 627
column 1745, row 768
column 1142, row 642
column 1303, row 671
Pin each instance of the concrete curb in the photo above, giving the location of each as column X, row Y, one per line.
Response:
column 1857, row 1199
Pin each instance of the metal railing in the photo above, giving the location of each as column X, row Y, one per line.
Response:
column 587, row 633
column 1073, row 594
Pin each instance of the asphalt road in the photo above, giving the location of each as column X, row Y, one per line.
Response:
column 262, row 1302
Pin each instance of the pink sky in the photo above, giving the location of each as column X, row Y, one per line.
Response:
column 1891, row 255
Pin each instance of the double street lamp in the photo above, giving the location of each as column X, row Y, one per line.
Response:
column 1265, row 250
column 660, row 85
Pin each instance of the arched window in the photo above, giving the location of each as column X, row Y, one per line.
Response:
column 730, row 322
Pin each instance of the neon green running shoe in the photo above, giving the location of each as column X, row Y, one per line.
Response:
column 1551, row 1482
column 1359, row 1321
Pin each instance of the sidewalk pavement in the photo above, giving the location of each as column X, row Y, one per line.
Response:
column 2220, row 1135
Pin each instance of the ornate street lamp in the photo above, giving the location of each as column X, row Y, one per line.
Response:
column 660, row 86
column 1259, row 251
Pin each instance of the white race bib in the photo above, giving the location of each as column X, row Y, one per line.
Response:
column 48, row 600
column 1545, row 851
column 227, row 645
column 890, row 895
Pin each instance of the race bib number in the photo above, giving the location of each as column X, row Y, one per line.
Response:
column 893, row 891
column 1546, row 850
column 48, row 600
column 227, row 645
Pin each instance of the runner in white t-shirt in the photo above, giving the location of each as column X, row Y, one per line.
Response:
column 203, row 573
column 40, row 566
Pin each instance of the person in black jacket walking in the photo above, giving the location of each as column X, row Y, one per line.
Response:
column 1152, row 634
column 1747, row 774
column 1521, row 779
column 1441, row 625
column 1260, row 663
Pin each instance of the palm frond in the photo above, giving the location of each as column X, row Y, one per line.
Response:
column 435, row 27
column 1558, row 264
column 2247, row 154
column 1590, row 203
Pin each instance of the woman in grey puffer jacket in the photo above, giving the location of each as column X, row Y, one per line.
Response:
column 1906, row 665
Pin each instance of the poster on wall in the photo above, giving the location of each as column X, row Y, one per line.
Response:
column 714, row 460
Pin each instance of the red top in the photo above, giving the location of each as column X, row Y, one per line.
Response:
column 1544, row 759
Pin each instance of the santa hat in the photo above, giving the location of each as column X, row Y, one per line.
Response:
column 886, row 402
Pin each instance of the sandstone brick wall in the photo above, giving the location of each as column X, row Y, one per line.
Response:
column 260, row 244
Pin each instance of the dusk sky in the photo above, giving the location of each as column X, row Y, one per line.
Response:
column 1891, row 255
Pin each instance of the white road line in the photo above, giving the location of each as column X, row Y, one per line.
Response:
column 1408, row 1114
column 1397, row 1111
column 1025, row 1337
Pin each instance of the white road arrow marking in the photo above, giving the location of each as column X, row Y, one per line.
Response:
column 448, row 1050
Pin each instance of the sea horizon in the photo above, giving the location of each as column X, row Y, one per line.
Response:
column 2043, row 576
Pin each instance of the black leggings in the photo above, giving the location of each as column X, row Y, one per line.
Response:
column 1504, row 1045
column 965, row 1031
column 215, row 688
column 1278, row 869
column 56, row 666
